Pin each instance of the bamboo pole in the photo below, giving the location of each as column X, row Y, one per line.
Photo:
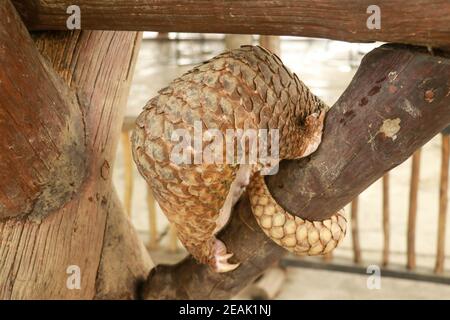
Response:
column 412, row 216
column 271, row 43
column 128, row 172
column 233, row 41
column 355, row 231
column 173, row 239
column 443, row 190
column 152, row 222
column 386, row 229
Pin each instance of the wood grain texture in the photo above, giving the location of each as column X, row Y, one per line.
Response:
column 97, row 67
column 424, row 22
column 124, row 263
column 379, row 121
column 42, row 139
column 354, row 149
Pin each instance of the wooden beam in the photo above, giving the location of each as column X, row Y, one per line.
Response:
column 42, row 137
column 363, row 138
column 424, row 22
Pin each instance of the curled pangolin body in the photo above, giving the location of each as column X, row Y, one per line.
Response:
column 247, row 88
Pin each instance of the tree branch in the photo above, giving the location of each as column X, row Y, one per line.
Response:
column 398, row 100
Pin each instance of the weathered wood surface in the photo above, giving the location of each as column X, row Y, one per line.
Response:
column 382, row 117
column 90, row 229
column 424, row 22
column 42, row 142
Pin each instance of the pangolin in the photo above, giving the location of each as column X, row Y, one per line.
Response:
column 246, row 88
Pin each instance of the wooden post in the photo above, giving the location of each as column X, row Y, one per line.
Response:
column 60, row 115
column 412, row 215
column 443, row 201
column 355, row 232
column 386, row 228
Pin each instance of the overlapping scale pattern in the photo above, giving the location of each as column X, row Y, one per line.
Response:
column 247, row 88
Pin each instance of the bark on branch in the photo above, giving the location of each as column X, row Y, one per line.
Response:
column 398, row 100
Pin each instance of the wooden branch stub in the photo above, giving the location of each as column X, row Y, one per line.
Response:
column 379, row 121
column 42, row 137
column 423, row 22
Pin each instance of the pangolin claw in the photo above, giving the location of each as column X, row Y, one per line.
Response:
column 220, row 260
column 222, row 265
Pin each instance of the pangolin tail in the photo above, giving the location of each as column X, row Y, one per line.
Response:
column 297, row 235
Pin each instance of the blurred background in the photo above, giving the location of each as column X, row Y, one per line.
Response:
column 407, row 202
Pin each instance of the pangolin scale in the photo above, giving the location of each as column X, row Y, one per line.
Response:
column 246, row 88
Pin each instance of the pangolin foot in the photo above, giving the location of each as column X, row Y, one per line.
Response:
column 219, row 261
